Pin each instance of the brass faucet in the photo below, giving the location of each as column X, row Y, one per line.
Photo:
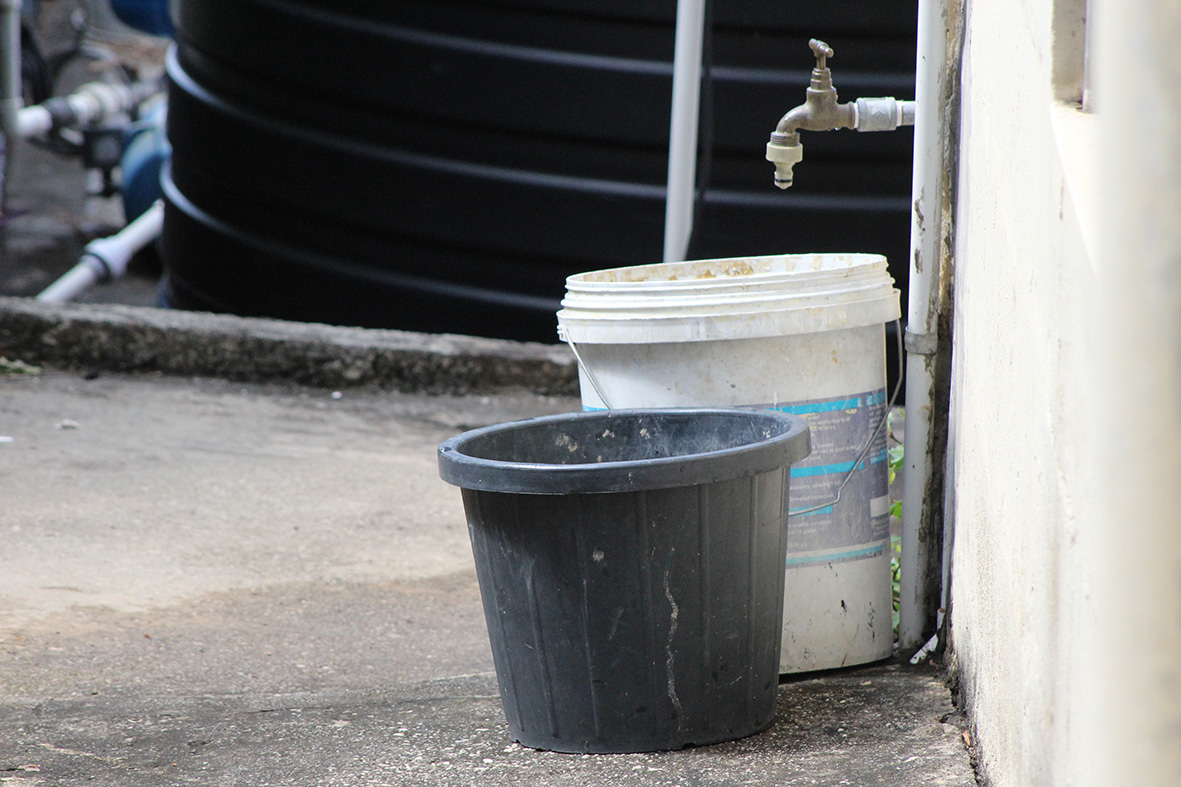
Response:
column 821, row 112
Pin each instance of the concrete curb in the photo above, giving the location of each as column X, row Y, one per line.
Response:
column 139, row 339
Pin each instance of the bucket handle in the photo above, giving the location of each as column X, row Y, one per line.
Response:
column 586, row 370
column 873, row 435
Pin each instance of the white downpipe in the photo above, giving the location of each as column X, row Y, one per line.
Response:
column 11, row 97
column 107, row 257
column 922, row 312
column 682, row 135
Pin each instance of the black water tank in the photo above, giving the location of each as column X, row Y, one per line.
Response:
column 443, row 166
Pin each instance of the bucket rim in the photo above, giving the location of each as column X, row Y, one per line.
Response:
column 728, row 298
column 727, row 270
column 786, row 441
column 704, row 303
column 676, row 326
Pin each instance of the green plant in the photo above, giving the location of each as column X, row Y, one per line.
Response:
column 17, row 367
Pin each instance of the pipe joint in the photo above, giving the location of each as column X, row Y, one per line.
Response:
column 61, row 113
column 882, row 114
column 917, row 343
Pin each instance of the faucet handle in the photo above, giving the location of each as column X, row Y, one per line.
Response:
column 821, row 50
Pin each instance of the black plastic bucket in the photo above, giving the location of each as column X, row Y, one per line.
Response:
column 631, row 568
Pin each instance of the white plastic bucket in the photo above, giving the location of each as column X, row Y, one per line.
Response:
column 800, row 333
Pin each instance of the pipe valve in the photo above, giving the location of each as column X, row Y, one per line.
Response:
column 821, row 50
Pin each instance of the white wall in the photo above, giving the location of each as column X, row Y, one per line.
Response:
column 1023, row 287
column 1066, row 395
column 1137, row 557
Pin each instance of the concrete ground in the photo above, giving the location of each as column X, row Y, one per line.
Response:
column 216, row 582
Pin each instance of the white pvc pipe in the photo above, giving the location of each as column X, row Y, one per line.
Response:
column 10, row 86
column 682, row 137
column 75, row 281
column 922, row 316
column 91, row 102
column 33, row 122
column 107, row 257
column 10, row 69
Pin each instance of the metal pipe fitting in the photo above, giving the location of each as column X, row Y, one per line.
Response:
column 882, row 114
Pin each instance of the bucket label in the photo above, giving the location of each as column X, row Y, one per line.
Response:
column 857, row 527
